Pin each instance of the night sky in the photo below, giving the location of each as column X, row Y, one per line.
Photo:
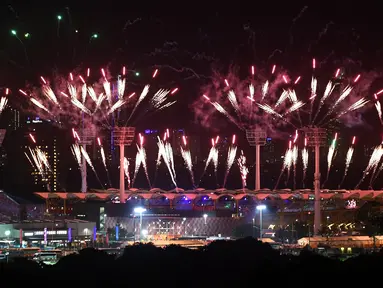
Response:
column 185, row 41
column 188, row 41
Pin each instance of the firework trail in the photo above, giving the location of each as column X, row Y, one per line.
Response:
column 43, row 158
column 166, row 152
column 378, row 106
column 4, row 101
column 126, row 170
column 314, row 86
column 287, row 162
column 273, row 110
column 231, row 154
column 294, row 159
column 376, row 171
column 241, row 96
column 271, row 103
column 305, row 160
column 141, row 161
column 76, row 151
column 87, row 159
column 373, row 163
column 95, row 100
column 36, row 161
column 186, row 155
column 212, row 158
column 243, row 169
column 349, row 155
column 158, row 162
column 103, row 157
column 330, row 157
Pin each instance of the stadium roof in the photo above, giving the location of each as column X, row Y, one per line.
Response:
column 305, row 194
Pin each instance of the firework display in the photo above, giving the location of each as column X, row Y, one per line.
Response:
column 75, row 101
column 270, row 103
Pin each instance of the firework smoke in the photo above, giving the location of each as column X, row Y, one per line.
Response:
column 243, row 169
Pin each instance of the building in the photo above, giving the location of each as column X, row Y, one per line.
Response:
column 51, row 233
column 13, row 118
column 15, row 209
column 40, row 135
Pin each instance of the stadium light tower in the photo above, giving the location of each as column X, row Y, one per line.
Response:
column 257, row 137
column 123, row 136
column 316, row 137
column 86, row 138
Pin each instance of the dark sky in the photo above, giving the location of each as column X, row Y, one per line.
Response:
column 185, row 40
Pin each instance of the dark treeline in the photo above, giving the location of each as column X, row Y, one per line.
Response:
column 242, row 263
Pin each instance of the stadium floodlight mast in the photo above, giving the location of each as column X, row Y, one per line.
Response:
column 86, row 137
column 257, row 137
column 260, row 208
column 123, row 136
column 316, row 137
column 139, row 211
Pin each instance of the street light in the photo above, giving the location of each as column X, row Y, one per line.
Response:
column 205, row 217
column 260, row 208
column 139, row 210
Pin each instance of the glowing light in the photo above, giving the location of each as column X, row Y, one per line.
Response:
column 32, row 138
column 23, row 92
